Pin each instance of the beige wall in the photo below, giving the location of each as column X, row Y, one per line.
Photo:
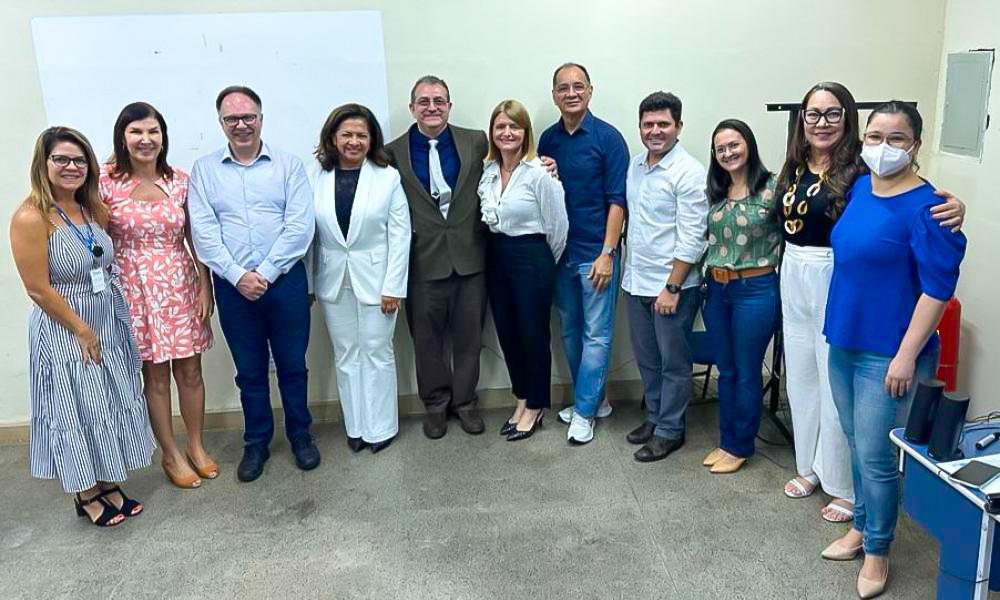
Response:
column 724, row 58
column 972, row 24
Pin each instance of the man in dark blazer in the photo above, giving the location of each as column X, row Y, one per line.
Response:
column 440, row 166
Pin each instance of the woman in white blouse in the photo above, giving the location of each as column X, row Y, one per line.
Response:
column 525, row 210
column 360, row 259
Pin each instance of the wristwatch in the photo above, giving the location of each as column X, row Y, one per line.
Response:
column 609, row 250
column 673, row 288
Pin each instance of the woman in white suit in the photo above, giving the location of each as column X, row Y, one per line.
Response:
column 360, row 263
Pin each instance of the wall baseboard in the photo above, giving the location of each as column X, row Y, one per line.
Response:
column 325, row 411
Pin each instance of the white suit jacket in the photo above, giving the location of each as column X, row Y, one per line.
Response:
column 376, row 251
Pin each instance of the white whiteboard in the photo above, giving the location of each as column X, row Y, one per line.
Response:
column 302, row 65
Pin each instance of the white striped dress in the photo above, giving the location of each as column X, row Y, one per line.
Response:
column 89, row 423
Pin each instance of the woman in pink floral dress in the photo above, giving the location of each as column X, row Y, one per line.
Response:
column 168, row 291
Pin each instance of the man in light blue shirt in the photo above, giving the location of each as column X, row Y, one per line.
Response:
column 252, row 221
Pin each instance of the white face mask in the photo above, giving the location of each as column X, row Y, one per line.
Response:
column 884, row 160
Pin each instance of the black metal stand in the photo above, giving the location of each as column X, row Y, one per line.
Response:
column 772, row 390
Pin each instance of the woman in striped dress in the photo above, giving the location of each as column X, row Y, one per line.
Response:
column 89, row 424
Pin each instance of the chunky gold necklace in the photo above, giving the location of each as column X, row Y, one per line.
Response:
column 800, row 208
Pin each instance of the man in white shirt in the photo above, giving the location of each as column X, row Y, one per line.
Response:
column 667, row 220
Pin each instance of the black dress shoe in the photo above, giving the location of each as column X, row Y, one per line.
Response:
column 252, row 463
column 435, row 424
column 356, row 444
column 641, row 434
column 517, row 435
column 380, row 446
column 470, row 420
column 507, row 428
column 306, row 453
column 658, row 448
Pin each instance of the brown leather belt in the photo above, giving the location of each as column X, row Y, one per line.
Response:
column 721, row 275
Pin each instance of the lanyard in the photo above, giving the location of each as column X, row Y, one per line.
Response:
column 89, row 239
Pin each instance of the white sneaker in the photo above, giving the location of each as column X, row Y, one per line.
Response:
column 603, row 412
column 581, row 430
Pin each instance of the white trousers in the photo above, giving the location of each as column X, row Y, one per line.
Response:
column 366, row 366
column 821, row 451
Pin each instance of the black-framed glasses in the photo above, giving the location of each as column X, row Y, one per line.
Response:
column 832, row 116
column 63, row 161
column 234, row 120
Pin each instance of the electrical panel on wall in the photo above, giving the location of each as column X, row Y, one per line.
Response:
column 966, row 102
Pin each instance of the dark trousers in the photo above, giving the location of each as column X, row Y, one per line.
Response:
column 741, row 316
column 520, row 277
column 278, row 320
column 663, row 355
column 440, row 313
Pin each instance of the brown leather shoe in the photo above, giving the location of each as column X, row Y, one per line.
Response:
column 471, row 421
column 435, row 424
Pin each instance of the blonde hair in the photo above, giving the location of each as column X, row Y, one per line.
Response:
column 519, row 114
column 88, row 195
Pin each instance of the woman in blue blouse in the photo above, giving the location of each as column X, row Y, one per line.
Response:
column 894, row 270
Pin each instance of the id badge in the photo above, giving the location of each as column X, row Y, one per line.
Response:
column 97, row 280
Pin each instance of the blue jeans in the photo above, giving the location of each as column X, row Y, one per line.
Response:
column 867, row 414
column 741, row 316
column 276, row 324
column 587, row 320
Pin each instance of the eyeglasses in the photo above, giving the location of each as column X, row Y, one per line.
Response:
column 234, row 120
column 896, row 140
column 832, row 116
column 62, row 161
column 565, row 88
column 428, row 102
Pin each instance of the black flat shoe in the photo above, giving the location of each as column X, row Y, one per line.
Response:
column 306, row 453
column 380, row 446
column 657, row 448
column 517, row 435
column 108, row 511
column 252, row 464
column 641, row 434
column 356, row 444
column 507, row 428
column 130, row 508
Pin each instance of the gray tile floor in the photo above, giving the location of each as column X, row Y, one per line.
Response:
column 462, row 517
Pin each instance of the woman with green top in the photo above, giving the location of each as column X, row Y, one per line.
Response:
column 744, row 303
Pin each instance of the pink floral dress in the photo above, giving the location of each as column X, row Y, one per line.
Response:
column 157, row 273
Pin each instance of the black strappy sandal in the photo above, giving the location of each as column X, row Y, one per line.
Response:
column 130, row 508
column 108, row 513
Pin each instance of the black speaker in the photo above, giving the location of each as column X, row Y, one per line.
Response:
column 925, row 403
column 948, row 421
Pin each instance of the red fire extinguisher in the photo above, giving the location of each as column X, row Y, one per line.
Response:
column 948, row 330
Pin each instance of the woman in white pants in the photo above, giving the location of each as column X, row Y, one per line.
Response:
column 360, row 262
column 822, row 163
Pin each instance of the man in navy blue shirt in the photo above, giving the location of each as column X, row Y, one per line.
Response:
column 593, row 162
